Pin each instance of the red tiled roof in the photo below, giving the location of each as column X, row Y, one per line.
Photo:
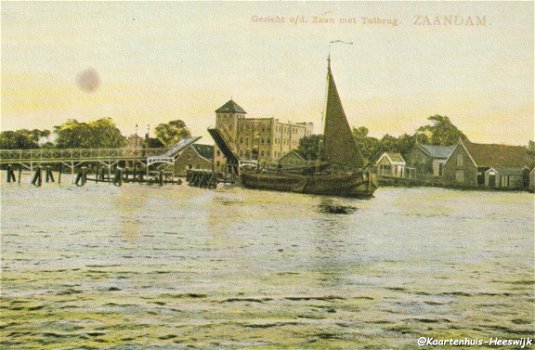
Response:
column 492, row 155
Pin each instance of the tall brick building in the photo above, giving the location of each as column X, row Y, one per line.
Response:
column 262, row 139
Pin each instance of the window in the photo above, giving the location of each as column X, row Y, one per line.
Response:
column 459, row 176
column 460, row 160
column 190, row 166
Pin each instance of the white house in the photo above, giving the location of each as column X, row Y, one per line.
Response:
column 391, row 164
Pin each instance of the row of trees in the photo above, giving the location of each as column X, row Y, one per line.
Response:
column 100, row 133
column 440, row 131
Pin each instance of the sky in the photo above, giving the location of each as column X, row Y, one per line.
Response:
column 161, row 61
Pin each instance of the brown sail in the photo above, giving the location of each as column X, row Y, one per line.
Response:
column 342, row 175
column 339, row 146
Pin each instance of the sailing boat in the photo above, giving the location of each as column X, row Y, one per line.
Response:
column 342, row 174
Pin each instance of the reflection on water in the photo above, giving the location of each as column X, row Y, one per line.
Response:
column 177, row 267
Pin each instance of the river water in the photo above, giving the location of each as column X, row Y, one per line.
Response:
column 176, row 267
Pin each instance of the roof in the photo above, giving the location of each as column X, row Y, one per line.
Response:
column 508, row 171
column 395, row 157
column 435, row 151
column 230, row 107
column 392, row 157
column 292, row 153
column 205, row 151
column 497, row 156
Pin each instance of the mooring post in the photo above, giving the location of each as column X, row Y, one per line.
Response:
column 10, row 174
column 59, row 175
column 117, row 179
column 72, row 172
column 36, row 180
column 49, row 175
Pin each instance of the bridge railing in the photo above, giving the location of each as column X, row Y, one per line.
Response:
column 77, row 154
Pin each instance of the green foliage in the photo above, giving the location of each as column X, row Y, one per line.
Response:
column 172, row 132
column 100, row 133
column 309, row 146
column 22, row 139
column 153, row 142
column 441, row 131
column 369, row 146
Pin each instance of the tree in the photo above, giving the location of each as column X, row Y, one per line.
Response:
column 309, row 146
column 172, row 132
column 22, row 139
column 442, row 131
column 369, row 146
column 105, row 134
column 17, row 140
column 153, row 142
column 100, row 133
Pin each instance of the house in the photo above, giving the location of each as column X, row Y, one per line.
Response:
column 391, row 164
column 195, row 156
column 428, row 160
column 483, row 165
column 291, row 159
column 506, row 178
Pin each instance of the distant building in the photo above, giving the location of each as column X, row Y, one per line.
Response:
column 262, row 139
column 486, row 165
column 391, row 164
column 291, row 159
column 194, row 157
column 428, row 160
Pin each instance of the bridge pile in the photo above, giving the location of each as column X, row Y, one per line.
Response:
column 202, row 178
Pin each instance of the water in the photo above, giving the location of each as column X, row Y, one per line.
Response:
column 176, row 267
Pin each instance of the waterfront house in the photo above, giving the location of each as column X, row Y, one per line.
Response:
column 292, row 159
column 428, row 160
column 483, row 165
column 507, row 178
column 391, row 164
column 195, row 156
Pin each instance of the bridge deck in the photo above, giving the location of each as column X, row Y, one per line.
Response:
column 76, row 155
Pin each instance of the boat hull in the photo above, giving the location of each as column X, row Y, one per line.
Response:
column 351, row 184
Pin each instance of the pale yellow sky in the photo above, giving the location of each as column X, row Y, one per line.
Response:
column 163, row 61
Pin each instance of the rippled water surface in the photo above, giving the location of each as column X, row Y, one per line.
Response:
column 177, row 267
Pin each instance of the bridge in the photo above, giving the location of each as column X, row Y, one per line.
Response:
column 108, row 157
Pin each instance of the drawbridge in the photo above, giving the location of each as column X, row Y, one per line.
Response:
column 233, row 161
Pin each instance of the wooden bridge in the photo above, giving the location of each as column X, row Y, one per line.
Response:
column 48, row 156
column 108, row 158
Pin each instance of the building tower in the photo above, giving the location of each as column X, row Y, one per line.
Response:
column 226, row 122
